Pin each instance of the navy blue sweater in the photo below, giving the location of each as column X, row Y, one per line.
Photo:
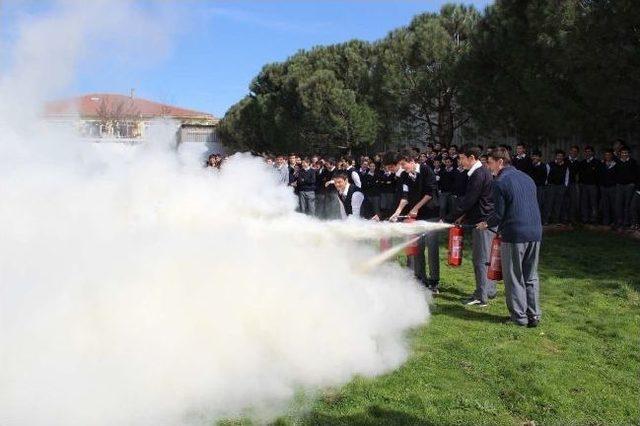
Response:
column 516, row 212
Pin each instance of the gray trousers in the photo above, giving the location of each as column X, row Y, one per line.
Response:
column 624, row 195
column 521, row 283
column 430, row 242
column 555, row 201
column 480, row 251
column 589, row 203
column 331, row 206
column 307, row 200
column 608, row 204
column 571, row 204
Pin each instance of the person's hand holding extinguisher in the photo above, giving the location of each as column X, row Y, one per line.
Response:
column 482, row 226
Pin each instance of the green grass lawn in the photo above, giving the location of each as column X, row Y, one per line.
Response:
column 581, row 366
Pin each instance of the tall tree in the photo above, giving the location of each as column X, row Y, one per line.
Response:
column 416, row 71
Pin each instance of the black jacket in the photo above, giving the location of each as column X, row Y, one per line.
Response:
column 413, row 187
column 306, row 180
column 477, row 203
column 574, row 168
column 627, row 172
column 539, row 173
column 447, row 179
column 607, row 175
column 525, row 165
column 460, row 179
column 589, row 171
column 558, row 173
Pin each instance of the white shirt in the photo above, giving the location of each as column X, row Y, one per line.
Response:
column 356, row 179
column 356, row 202
column 473, row 168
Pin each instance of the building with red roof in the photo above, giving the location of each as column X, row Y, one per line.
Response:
column 114, row 117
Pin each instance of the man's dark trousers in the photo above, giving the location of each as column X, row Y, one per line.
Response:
column 589, row 200
column 608, row 204
column 624, row 195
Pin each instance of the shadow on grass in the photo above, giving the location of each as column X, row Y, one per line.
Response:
column 373, row 416
column 470, row 314
column 603, row 258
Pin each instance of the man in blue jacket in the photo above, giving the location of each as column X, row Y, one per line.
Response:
column 517, row 217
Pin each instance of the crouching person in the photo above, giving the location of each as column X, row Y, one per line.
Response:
column 350, row 196
column 517, row 217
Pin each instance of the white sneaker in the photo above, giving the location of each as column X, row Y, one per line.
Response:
column 474, row 301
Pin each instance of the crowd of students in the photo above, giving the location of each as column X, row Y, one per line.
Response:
column 574, row 187
column 489, row 191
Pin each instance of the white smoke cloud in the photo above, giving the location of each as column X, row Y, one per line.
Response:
column 137, row 287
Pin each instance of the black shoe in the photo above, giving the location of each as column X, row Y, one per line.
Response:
column 533, row 323
column 508, row 320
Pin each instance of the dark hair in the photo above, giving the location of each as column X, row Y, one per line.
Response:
column 390, row 158
column 471, row 151
column 625, row 148
column 536, row 152
column 501, row 154
column 608, row 151
column 588, row 147
column 575, row 146
column 341, row 175
column 521, row 144
column 559, row 151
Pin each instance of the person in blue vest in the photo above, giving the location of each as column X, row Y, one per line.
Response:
column 517, row 218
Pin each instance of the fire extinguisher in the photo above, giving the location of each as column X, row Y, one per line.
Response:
column 385, row 244
column 494, row 270
column 411, row 249
column 455, row 246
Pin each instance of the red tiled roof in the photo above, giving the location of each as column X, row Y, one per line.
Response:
column 88, row 105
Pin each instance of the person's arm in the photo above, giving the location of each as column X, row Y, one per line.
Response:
column 566, row 177
column 469, row 199
column 403, row 190
column 496, row 217
column 547, row 167
column 356, row 179
column 429, row 185
column 356, row 203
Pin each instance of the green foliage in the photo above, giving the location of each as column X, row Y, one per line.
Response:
column 540, row 69
column 548, row 69
column 417, row 75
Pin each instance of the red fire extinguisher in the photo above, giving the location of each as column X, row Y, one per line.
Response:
column 411, row 249
column 494, row 270
column 385, row 243
column 455, row 246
